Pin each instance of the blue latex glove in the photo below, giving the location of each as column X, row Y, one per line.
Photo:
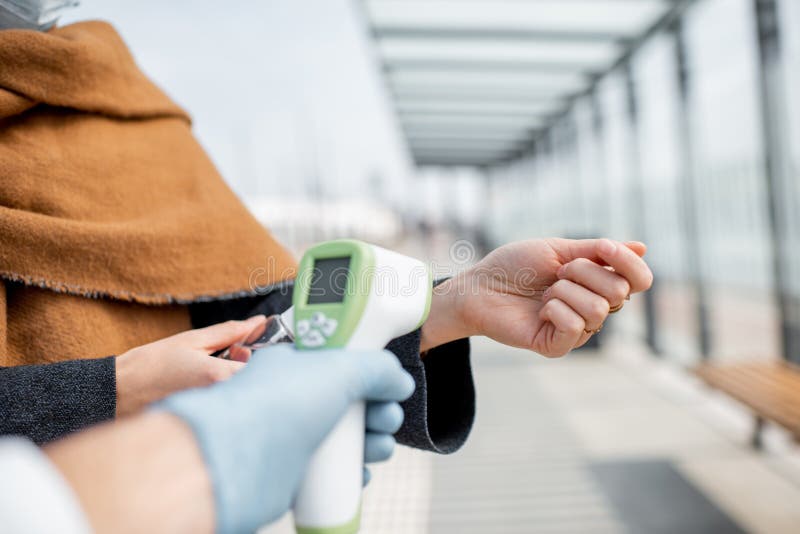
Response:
column 258, row 430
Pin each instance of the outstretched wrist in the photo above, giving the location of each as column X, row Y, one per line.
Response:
column 445, row 322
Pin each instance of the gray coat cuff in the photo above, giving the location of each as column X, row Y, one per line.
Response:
column 46, row 402
column 440, row 413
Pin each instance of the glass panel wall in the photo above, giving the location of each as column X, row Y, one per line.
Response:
column 583, row 177
column 730, row 178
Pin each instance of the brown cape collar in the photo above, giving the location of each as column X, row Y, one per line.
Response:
column 84, row 66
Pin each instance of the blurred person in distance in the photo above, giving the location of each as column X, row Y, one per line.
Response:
column 117, row 234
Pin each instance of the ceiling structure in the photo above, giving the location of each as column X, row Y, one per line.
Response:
column 475, row 81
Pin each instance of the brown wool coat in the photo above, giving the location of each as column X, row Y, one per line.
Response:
column 112, row 218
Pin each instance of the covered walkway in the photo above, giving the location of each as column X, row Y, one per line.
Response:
column 602, row 442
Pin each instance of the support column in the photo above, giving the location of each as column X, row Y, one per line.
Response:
column 637, row 204
column 598, row 125
column 570, row 166
column 484, row 238
column 688, row 177
column 777, row 169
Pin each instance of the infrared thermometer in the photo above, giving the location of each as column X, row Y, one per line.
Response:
column 349, row 294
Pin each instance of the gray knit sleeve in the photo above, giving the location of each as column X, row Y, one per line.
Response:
column 46, row 402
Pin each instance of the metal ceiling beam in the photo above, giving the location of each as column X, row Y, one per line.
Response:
column 468, row 131
column 464, row 151
column 488, row 93
column 511, row 34
column 461, row 159
column 455, row 138
column 465, row 105
column 455, row 164
column 478, row 134
column 478, row 95
column 663, row 23
column 517, row 140
column 423, row 161
column 441, row 65
column 512, row 89
column 520, row 115
column 446, row 144
column 473, row 129
column 509, row 122
column 555, row 83
column 446, row 163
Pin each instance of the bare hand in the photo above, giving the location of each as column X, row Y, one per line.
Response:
column 545, row 295
column 151, row 372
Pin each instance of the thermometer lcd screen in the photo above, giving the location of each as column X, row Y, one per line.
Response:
column 329, row 280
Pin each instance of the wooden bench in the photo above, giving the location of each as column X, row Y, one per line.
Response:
column 770, row 389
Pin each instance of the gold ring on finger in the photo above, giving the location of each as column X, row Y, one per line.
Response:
column 587, row 331
column 616, row 308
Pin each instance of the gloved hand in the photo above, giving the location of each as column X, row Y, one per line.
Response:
column 258, row 430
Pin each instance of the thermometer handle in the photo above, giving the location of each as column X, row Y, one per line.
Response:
column 329, row 499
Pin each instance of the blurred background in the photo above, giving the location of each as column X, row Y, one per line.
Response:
column 419, row 123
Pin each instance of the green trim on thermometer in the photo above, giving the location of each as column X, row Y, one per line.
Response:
column 351, row 527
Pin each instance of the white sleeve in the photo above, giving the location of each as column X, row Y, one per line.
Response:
column 34, row 497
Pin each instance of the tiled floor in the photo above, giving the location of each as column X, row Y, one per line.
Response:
column 542, row 425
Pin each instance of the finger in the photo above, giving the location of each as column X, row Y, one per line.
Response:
column 239, row 353
column 583, row 339
column 221, row 370
column 567, row 329
column 627, row 264
column 378, row 447
column 593, row 308
column 384, row 417
column 222, row 335
column 638, row 247
column 366, row 477
column 597, row 279
column 379, row 377
column 571, row 249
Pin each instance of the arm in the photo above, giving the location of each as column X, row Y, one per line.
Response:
column 230, row 457
column 160, row 486
column 45, row 402
column 544, row 295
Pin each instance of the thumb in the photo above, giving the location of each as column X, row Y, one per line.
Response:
column 222, row 335
column 570, row 249
column 638, row 247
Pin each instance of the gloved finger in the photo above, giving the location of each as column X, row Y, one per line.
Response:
column 367, row 476
column 378, row 447
column 379, row 377
column 384, row 417
column 221, row 335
